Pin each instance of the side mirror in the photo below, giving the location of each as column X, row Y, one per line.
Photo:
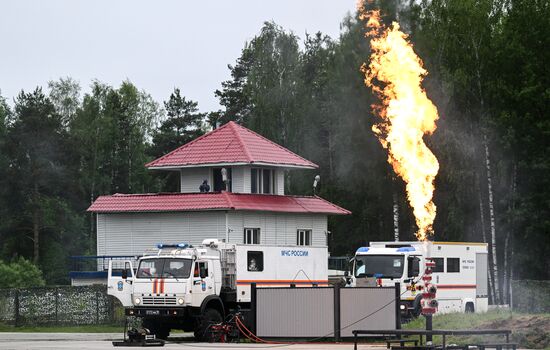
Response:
column 124, row 274
column 414, row 266
column 346, row 274
column 202, row 272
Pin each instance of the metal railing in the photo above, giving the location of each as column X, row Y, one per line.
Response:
column 338, row 263
column 81, row 263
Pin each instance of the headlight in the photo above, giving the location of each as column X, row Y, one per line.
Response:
column 137, row 301
column 180, row 301
column 402, row 307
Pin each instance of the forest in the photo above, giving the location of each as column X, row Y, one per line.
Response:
column 62, row 146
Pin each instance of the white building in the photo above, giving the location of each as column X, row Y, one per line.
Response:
column 249, row 207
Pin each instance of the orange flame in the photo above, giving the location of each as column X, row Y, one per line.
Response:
column 395, row 75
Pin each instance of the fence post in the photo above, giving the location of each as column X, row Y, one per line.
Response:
column 397, row 305
column 336, row 291
column 253, row 307
column 16, row 302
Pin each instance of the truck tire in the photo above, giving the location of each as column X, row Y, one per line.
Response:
column 156, row 328
column 202, row 329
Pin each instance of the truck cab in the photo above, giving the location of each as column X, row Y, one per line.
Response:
column 381, row 266
column 460, row 273
column 171, row 287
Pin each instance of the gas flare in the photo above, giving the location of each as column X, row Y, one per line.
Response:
column 395, row 75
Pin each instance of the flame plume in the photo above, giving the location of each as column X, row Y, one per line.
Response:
column 395, row 74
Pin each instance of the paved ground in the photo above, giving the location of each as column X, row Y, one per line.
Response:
column 93, row 341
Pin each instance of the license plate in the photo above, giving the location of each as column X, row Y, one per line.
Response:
column 152, row 312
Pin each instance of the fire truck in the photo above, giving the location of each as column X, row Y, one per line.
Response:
column 460, row 273
column 179, row 286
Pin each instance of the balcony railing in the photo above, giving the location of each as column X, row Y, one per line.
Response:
column 96, row 266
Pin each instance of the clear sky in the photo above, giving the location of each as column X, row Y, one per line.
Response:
column 156, row 44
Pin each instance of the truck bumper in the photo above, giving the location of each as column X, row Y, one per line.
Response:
column 156, row 312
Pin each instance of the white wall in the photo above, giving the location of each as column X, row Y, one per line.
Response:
column 192, row 178
column 237, row 177
column 246, row 179
column 279, row 181
column 277, row 228
column 133, row 233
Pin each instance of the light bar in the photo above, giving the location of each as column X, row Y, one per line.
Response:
column 362, row 250
column 178, row 245
column 406, row 249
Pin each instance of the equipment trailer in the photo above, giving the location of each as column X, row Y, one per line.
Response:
column 191, row 288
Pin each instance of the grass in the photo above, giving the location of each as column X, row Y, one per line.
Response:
column 528, row 330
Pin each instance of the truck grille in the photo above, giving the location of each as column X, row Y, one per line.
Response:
column 159, row 301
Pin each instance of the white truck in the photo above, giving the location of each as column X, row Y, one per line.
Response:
column 460, row 273
column 179, row 286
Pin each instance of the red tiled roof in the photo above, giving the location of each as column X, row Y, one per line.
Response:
column 230, row 143
column 174, row 202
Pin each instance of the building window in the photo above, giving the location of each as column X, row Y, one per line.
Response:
column 251, row 236
column 219, row 185
column 438, row 265
column 303, row 237
column 453, row 265
column 262, row 181
column 255, row 261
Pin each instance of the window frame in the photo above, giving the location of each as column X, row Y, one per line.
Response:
column 442, row 265
column 197, row 268
column 257, row 183
column 228, row 185
column 259, row 256
column 255, row 235
column 304, row 237
column 457, row 265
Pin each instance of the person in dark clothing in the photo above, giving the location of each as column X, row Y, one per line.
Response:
column 204, row 187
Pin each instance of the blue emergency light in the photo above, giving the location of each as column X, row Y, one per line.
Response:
column 178, row 245
column 406, row 249
column 362, row 250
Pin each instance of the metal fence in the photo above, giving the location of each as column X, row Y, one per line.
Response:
column 323, row 312
column 64, row 305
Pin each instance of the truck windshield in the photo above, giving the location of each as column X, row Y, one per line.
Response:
column 382, row 266
column 164, row 268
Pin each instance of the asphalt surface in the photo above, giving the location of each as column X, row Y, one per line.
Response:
column 93, row 341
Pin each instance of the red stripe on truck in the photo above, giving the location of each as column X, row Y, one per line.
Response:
column 282, row 282
column 456, row 286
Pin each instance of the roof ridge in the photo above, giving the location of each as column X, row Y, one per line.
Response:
column 276, row 144
column 239, row 138
column 187, row 144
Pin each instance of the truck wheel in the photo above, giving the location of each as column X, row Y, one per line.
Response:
column 208, row 318
column 469, row 308
column 156, row 328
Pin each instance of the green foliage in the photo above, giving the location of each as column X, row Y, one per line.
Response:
column 20, row 273
column 488, row 76
column 184, row 123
